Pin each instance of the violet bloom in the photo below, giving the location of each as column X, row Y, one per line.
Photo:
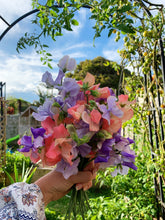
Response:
column 38, row 140
column 112, row 92
column 104, row 153
column 58, row 80
column 111, row 108
column 44, row 111
column 84, row 149
column 70, row 88
column 66, row 169
column 47, row 78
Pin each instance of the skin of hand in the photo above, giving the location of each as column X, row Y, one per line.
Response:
column 54, row 186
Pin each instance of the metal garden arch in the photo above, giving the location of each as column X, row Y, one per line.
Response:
column 159, row 194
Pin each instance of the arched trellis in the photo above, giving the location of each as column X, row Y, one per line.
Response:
column 158, row 184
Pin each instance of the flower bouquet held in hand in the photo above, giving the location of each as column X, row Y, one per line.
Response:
column 82, row 123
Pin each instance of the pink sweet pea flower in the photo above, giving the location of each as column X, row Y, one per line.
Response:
column 93, row 119
column 125, row 106
column 76, row 111
column 90, row 79
column 58, row 145
column 104, row 92
column 115, row 125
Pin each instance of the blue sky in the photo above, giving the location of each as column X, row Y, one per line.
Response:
column 22, row 72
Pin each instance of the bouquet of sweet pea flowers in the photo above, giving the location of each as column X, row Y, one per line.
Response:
column 82, row 123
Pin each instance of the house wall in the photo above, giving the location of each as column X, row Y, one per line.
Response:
column 12, row 126
column 19, row 125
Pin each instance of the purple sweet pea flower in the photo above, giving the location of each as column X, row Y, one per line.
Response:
column 67, row 64
column 26, row 141
column 44, row 111
column 104, row 153
column 84, row 150
column 70, row 88
column 129, row 164
column 58, row 80
column 112, row 92
column 66, row 169
column 47, row 78
column 38, row 132
column 111, row 108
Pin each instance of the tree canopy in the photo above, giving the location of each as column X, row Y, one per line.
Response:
column 106, row 72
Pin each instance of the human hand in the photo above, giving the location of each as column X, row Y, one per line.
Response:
column 54, row 185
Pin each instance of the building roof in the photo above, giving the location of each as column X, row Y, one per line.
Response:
column 29, row 111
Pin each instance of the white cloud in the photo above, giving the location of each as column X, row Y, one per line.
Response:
column 20, row 72
column 112, row 55
column 13, row 9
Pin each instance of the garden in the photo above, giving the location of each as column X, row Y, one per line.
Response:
column 138, row 195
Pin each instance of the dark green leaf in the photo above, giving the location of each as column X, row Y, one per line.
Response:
column 74, row 22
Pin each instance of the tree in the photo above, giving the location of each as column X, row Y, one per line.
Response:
column 106, row 72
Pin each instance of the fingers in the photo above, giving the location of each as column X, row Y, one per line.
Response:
column 93, row 169
column 81, row 177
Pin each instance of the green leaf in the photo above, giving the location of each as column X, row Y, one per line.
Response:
column 110, row 32
column 74, row 22
column 10, row 177
column 49, row 65
column 48, row 54
column 16, row 173
column 125, row 8
column 29, row 178
column 125, row 28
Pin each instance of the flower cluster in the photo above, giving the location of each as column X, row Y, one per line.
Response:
column 82, row 121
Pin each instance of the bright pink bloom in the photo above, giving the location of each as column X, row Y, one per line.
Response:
column 95, row 116
column 125, row 107
column 115, row 125
column 104, row 92
column 76, row 111
column 58, row 145
column 92, row 121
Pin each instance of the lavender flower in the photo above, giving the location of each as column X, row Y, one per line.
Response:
column 47, row 78
column 44, row 111
column 111, row 108
column 67, row 64
column 70, row 88
column 66, row 169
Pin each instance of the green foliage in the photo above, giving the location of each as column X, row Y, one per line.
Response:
column 106, row 72
column 25, row 177
column 55, row 16
column 17, row 158
column 17, row 103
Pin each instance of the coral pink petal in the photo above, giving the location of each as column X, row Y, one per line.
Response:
column 104, row 92
column 90, row 79
column 93, row 126
column 115, row 125
column 48, row 124
column 60, row 131
column 95, row 116
column 128, row 114
column 66, row 152
column 123, row 98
